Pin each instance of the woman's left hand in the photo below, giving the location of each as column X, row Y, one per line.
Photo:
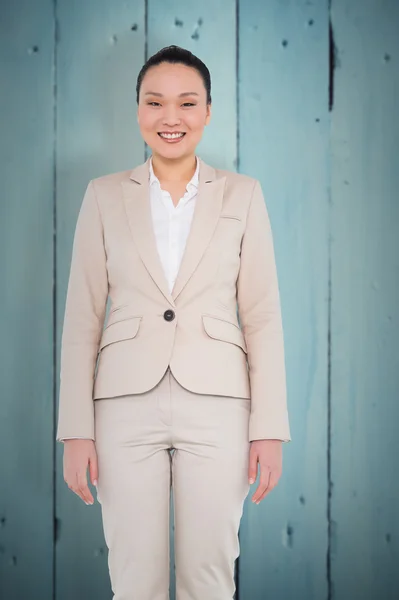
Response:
column 269, row 454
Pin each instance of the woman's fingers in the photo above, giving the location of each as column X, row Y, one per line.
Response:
column 83, row 488
column 93, row 467
column 78, row 455
column 252, row 465
column 272, row 484
column 263, row 484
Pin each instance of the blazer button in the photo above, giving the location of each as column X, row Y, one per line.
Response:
column 169, row 315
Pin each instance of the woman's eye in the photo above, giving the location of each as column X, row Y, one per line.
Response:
column 185, row 103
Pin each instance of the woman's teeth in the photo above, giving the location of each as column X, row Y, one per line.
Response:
column 171, row 136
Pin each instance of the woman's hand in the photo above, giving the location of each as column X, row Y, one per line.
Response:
column 78, row 454
column 269, row 453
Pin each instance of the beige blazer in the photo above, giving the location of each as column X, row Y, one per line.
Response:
column 220, row 329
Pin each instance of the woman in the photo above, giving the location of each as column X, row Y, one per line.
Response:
column 178, row 246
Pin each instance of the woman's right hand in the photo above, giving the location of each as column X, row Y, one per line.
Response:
column 78, row 455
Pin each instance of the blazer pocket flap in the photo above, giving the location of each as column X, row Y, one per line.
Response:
column 230, row 216
column 120, row 330
column 224, row 330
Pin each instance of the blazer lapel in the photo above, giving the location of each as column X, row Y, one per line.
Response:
column 205, row 218
column 208, row 206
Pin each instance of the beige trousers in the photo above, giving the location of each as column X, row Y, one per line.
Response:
column 208, row 472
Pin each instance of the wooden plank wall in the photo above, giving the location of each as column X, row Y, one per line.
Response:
column 364, row 516
column 283, row 141
column 305, row 96
column 26, row 300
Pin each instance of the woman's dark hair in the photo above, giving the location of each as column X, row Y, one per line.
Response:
column 176, row 54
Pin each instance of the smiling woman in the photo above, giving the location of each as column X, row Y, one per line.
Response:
column 174, row 106
column 178, row 245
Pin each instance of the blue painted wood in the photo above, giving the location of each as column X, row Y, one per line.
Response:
column 197, row 28
column 99, row 54
column 365, row 300
column 281, row 136
column 26, row 273
column 283, row 141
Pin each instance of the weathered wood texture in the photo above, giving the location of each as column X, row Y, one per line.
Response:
column 26, row 300
column 305, row 96
column 284, row 141
column 364, row 548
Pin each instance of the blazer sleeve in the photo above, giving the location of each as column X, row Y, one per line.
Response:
column 85, row 307
column 259, row 310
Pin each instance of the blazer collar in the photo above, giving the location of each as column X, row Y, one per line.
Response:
column 141, row 173
column 208, row 206
column 193, row 183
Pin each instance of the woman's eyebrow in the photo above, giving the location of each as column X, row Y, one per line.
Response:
column 180, row 95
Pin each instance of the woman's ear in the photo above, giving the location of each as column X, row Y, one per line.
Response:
column 208, row 115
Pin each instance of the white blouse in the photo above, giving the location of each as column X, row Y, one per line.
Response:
column 172, row 223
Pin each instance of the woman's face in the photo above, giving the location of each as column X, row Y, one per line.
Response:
column 172, row 99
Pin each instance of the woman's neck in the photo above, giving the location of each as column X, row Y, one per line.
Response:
column 173, row 171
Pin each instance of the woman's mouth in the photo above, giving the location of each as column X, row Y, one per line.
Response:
column 171, row 138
